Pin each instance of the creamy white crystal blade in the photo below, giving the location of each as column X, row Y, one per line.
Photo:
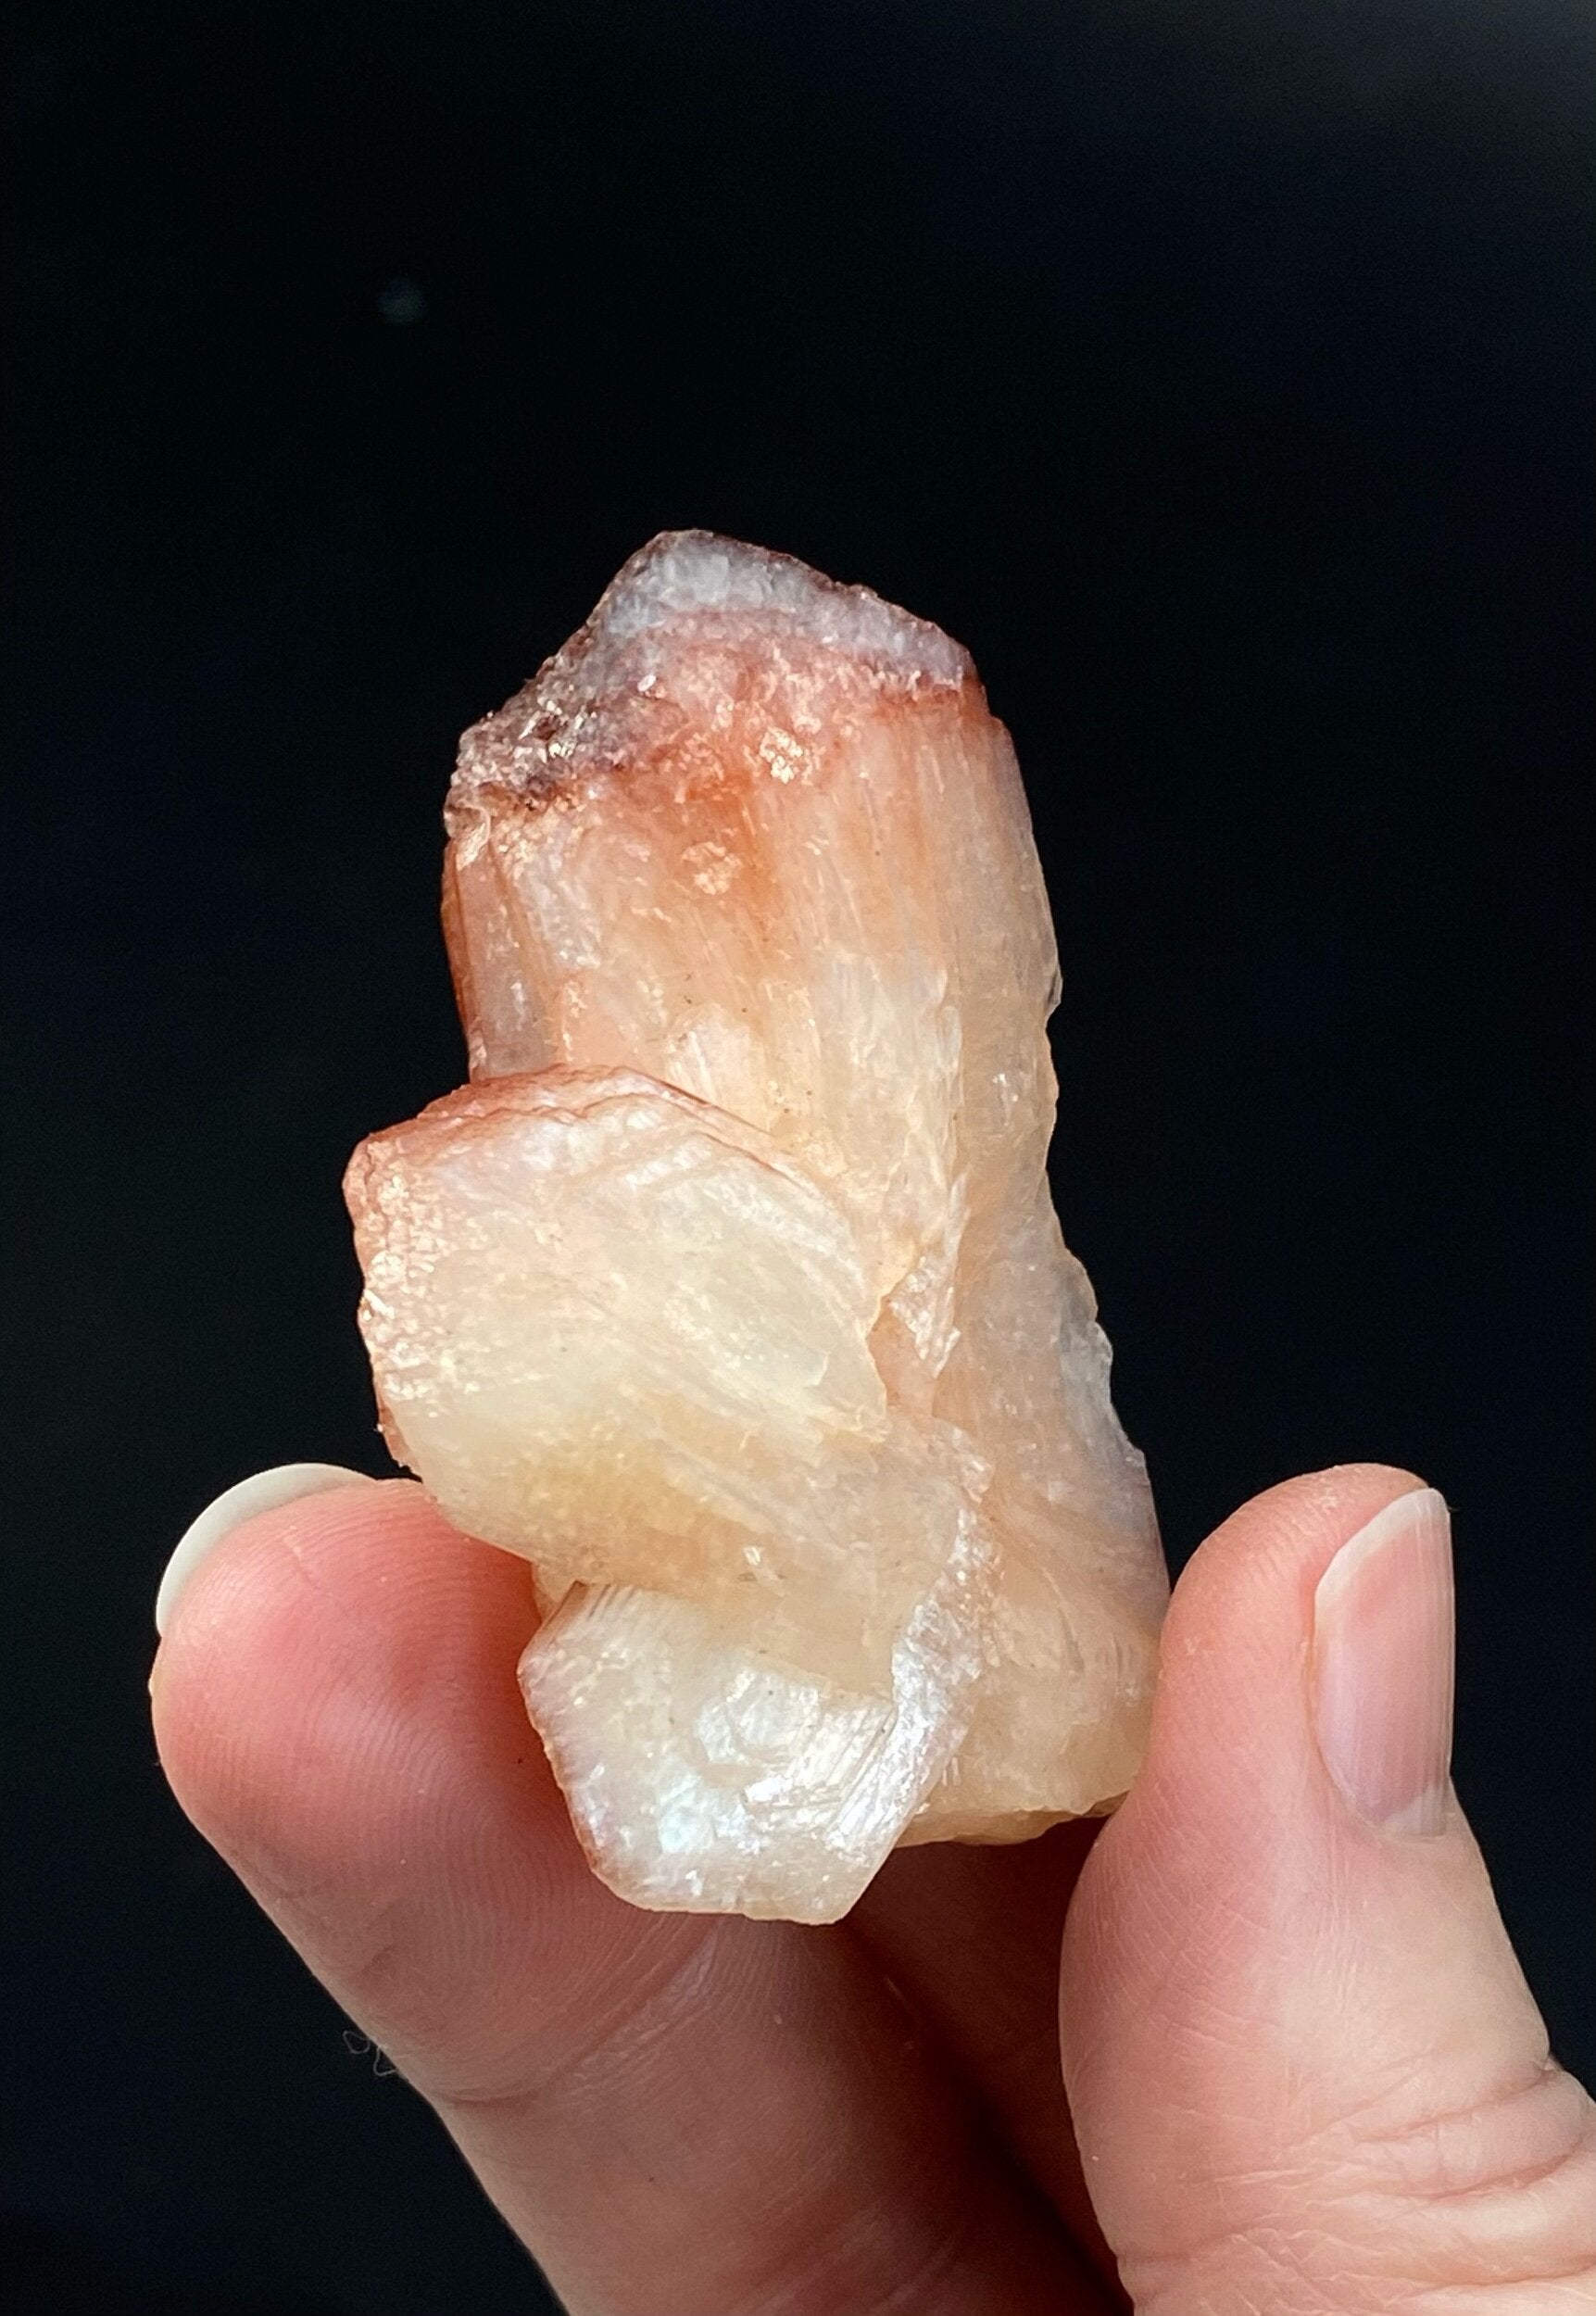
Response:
column 758, row 837
column 618, row 1331
column 704, row 1776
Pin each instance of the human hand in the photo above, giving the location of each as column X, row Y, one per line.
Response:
column 1304, row 2072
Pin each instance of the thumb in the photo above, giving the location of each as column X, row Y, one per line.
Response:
column 1305, row 2070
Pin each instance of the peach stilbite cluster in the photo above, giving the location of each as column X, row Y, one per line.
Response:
column 730, row 1291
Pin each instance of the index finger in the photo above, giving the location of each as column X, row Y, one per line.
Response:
column 673, row 2111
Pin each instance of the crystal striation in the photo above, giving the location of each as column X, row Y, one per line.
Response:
column 730, row 1293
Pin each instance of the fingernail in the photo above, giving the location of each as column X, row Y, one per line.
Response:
column 286, row 1483
column 1383, row 1666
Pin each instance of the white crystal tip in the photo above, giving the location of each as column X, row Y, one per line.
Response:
column 681, row 573
column 695, row 630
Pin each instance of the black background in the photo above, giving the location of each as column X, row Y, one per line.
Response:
column 1217, row 374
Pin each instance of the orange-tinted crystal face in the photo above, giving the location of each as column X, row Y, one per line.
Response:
column 789, row 1389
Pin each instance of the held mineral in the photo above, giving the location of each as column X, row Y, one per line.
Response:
column 730, row 1293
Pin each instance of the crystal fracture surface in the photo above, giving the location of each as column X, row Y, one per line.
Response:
column 730, row 1291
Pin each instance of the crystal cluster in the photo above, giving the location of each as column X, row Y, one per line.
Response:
column 730, row 1291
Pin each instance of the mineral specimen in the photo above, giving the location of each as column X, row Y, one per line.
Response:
column 730, row 1291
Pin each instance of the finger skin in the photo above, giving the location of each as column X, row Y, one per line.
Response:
column 675, row 2112
column 972, row 1935
column 1305, row 2070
